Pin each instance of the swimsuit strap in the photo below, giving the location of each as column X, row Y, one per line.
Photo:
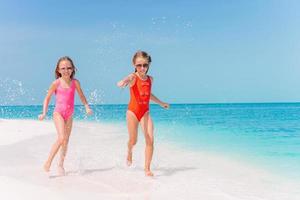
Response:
column 58, row 83
column 72, row 83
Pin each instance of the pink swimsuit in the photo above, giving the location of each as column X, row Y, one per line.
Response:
column 65, row 100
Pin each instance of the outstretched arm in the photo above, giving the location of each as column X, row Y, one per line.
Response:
column 82, row 98
column 47, row 100
column 156, row 100
column 128, row 80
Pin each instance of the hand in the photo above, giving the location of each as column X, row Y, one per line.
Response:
column 122, row 84
column 41, row 117
column 165, row 105
column 88, row 111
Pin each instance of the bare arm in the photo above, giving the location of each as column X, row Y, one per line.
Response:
column 82, row 97
column 156, row 100
column 47, row 100
column 128, row 80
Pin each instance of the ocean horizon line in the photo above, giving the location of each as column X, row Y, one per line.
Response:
column 125, row 104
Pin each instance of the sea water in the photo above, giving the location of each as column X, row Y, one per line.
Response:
column 262, row 134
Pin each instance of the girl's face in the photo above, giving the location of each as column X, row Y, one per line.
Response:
column 65, row 68
column 141, row 65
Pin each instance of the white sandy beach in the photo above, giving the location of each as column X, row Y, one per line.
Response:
column 95, row 167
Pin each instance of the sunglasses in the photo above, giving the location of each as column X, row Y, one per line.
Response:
column 68, row 68
column 142, row 65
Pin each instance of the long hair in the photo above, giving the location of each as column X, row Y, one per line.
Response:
column 57, row 74
column 142, row 54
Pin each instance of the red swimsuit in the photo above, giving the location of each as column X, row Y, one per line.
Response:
column 140, row 96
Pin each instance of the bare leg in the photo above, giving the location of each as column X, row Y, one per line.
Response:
column 60, row 128
column 132, row 125
column 147, row 127
column 64, row 146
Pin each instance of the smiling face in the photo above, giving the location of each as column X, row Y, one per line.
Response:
column 141, row 65
column 65, row 68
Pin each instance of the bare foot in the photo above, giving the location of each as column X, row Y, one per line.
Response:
column 61, row 171
column 47, row 167
column 129, row 158
column 148, row 173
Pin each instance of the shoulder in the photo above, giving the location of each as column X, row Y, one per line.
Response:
column 55, row 83
column 76, row 82
column 151, row 78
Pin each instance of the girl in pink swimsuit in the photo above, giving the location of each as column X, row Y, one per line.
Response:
column 64, row 88
column 138, row 108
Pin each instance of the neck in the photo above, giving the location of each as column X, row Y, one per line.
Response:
column 67, row 79
column 142, row 75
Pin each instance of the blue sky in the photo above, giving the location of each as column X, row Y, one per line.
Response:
column 203, row 51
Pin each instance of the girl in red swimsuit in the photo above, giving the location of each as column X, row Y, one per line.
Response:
column 138, row 108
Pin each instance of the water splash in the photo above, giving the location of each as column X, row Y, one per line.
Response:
column 13, row 92
column 96, row 97
column 166, row 28
column 159, row 30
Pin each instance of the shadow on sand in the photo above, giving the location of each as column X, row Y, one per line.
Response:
column 169, row 171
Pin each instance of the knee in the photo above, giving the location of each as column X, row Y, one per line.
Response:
column 132, row 142
column 149, row 141
column 62, row 140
